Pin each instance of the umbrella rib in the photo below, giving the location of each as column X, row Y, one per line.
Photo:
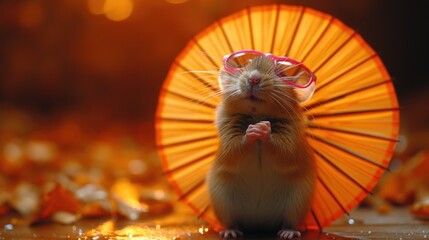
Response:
column 295, row 31
column 316, row 220
column 249, row 17
column 318, row 39
column 189, row 163
column 191, row 99
column 341, row 171
column 275, row 27
column 185, row 194
column 348, row 70
column 206, row 54
column 333, row 196
column 316, row 126
column 335, row 52
column 188, row 141
column 197, row 78
column 188, row 120
column 225, row 36
column 200, row 215
column 348, row 151
column 320, row 103
column 320, row 115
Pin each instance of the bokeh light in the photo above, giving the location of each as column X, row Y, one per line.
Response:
column 96, row 6
column 118, row 10
column 115, row 10
column 31, row 14
column 176, row 1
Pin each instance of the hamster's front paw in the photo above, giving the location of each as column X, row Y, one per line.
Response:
column 260, row 131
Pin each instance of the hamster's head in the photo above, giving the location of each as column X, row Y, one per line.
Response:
column 256, row 83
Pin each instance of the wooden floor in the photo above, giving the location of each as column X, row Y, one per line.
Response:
column 181, row 224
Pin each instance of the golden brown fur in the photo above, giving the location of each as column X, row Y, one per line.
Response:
column 266, row 185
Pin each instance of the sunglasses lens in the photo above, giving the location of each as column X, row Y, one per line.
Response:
column 293, row 72
column 240, row 59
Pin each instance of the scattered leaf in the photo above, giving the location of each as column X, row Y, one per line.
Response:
column 57, row 200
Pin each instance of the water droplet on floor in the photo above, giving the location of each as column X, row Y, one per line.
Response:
column 351, row 221
column 8, row 227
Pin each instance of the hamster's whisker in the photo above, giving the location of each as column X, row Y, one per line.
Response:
column 280, row 103
column 207, row 96
column 304, row 109
column 211, row 72
column 207, row 77
column 204, row 95
column 230, row 94
column 278, row 95
column 212, row 58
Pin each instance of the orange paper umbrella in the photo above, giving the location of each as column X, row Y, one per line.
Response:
column 353, row 116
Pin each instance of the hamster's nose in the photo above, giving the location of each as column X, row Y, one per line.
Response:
column 254, row 77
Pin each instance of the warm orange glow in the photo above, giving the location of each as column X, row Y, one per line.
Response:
column 96, row 6
column 353, row 116
column 118, row 10
column 115, row 10
column 12, row 152
column 31, row 14
column 176, row 1
column 104, row 229
column 137, row 166
column 127, row 196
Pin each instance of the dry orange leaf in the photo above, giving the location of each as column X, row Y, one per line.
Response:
column 420, row 209
column 127, row 197
column 57, row 200
column 4, row 209
column 395, row 189
column 94, row 210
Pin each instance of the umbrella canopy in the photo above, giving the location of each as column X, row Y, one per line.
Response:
column 353, row 116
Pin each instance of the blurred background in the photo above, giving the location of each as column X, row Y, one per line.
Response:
column 79, row 81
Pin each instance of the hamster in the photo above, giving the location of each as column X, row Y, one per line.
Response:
column 263, row 176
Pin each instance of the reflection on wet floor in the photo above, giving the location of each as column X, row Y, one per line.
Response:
column 181, row 223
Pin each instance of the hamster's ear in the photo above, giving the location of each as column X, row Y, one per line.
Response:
column 303, row 94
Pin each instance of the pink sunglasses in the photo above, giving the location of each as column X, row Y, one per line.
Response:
column 289, row 70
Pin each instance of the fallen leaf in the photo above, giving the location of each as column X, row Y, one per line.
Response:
column 57, row 200
column 127, row 198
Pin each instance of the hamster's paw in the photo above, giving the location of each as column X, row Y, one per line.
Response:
column 230, row 234
column 288, row 234
column 259, row 131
